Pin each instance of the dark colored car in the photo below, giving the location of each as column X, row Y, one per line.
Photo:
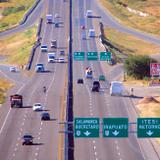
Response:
column 45, row 116
column 95, row 86
column 80, row 80
column 27, row 139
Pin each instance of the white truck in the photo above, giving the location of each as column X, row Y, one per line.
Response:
column 49, row 18
column 88, row 72
column 91, row 33
column 116, row 88
column 51, row 57
column 89, row 14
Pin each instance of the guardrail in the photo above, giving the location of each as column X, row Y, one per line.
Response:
column 69, row 138
column 29, row 12
column 37, row 44
column 109, row 46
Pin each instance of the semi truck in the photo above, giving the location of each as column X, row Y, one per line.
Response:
column 88, row 72
column 16, row 100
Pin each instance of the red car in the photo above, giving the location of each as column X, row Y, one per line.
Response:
column 82, row 27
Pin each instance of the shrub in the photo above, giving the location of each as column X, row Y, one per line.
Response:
column 11, row 10
column 138, row 66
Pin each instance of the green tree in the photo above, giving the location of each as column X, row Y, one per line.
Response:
column 138, row 66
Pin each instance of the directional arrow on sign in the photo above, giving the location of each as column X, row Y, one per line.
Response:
column 149, row 132
column 87, row 133
column 115, row 133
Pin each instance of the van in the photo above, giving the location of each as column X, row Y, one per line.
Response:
column 95, row 86
column 116, row 88
column 44, row 48
column 49, row 18
column 39, row 67
column 51, row 57
column 91, row 33
column 89, row 13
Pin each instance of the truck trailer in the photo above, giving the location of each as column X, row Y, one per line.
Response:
column 16, row 100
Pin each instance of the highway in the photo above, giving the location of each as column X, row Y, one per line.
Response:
column 32, row 19
column 109, row 20
column 88, row 104
column 16, row 122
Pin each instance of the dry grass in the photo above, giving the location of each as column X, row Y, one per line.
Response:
column 13, row 19
column 18, row 47
column 130, row 44
column 4, row 86
column 149, row 24
column 150, row 110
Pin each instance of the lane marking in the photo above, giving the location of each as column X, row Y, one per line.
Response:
column 94, row 147
column 36, row 154
column 95, row 153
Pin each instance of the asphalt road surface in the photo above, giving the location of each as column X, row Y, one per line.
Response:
column 90, row 104
column 32, row 19
column 15, row 122
column 109, row 20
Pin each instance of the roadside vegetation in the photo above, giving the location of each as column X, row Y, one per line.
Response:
column 5, row 85
column 129, row 44
column 149, row 23
column 138, row 51
column 12, row 12
column 17, row 48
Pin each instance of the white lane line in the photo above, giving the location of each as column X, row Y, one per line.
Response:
column 36, row 154
column 40, row 128
column 37, row 148
column 15, row 149
column 5, row 120
column 9, row 111
column 119, row 153
column 17, row 144
column 96, row 158
column 116, row 142
column 39, row 133
column 91, row 114
column 95, row 153
column 39, row 138
column 41, row 123
column 117, row 147
column 94, row 147
column 14, row 154
column 21, row 129
column 20, row 133
column 23, row 124
column 94, row 142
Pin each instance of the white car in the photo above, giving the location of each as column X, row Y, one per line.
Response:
column 13, row 69
column 38, row 107
column 61, row 60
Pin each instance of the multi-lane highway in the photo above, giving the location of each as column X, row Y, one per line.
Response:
column 90, row 104
column 16, row 122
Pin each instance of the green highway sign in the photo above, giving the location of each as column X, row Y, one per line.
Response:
column 86, row 127
column 92, row 56
column 79, row 56
column 115, row 127
column 148, row 127
column 104, row 56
